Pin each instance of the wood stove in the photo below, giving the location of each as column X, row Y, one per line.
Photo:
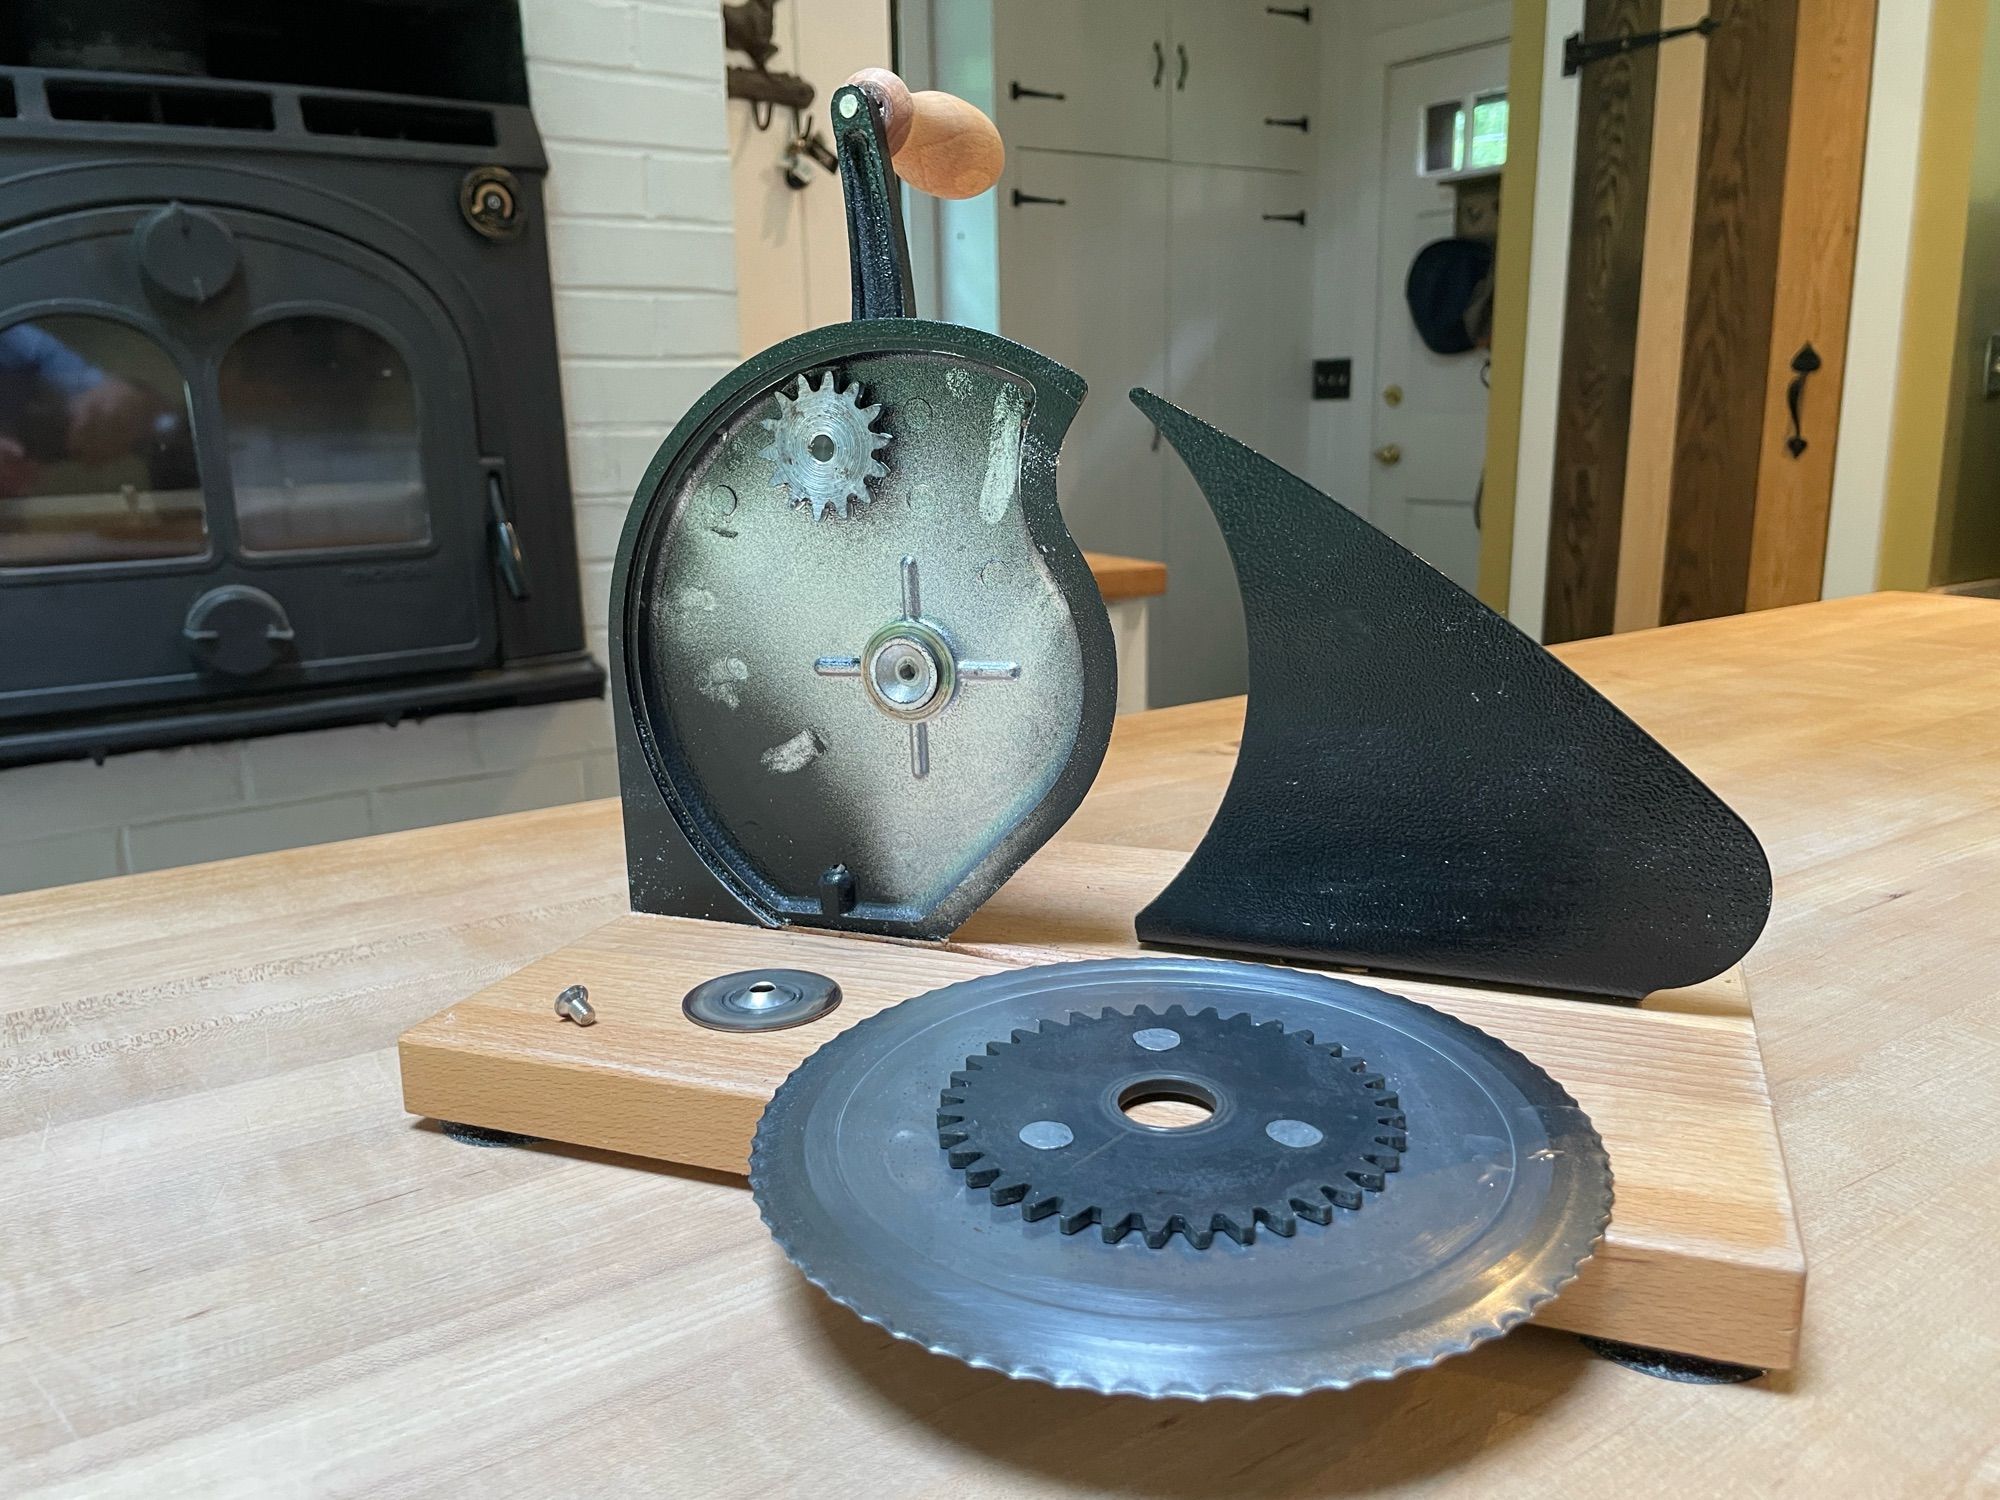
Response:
column 281, row 436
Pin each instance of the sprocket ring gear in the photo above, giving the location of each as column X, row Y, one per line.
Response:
column 823, row 447
column 1296, row 1127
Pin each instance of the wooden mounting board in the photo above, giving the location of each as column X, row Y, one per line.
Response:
column 1703, row 1254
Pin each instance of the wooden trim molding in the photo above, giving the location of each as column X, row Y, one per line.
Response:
column 1663, row 284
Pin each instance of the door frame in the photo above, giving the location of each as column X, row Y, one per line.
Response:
column 1350, row 200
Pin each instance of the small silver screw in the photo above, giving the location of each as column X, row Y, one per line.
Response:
column 573, row 1004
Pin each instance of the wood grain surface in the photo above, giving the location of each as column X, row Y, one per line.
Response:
column 1663, row 286
column 1822, row 215
column 1704, row 1260
column 1126, row 577
column 1614, row 135
column 1732, row 285
column 233, row 1266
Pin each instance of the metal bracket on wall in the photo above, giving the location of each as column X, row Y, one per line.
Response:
column 1578, row 54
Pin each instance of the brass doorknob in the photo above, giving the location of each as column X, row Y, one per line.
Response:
column 1388, row 455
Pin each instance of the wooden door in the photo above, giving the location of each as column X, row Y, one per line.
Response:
column 1710, row 275
column 1082, row 75
column 1242, row 75
column 1078, row 284
column 1428, row 432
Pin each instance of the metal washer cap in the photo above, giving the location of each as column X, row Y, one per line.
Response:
column 761, row 1000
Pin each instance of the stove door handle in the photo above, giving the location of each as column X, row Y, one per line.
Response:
column 507, row 555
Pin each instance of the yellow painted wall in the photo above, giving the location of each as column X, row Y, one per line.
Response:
column 1967, row 545
column 1510, row 302
column 1920, row 504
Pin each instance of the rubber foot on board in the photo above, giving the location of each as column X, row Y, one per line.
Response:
column 1663, row 1364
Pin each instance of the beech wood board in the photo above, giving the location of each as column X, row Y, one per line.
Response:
column 1703, row 1254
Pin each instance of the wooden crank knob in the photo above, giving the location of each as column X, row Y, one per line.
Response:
column 939, row 144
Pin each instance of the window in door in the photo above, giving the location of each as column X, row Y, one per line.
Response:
column 1464, row 137
column 324, row 443
column 97, row 457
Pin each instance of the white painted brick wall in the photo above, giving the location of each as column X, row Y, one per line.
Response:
column 628, row 94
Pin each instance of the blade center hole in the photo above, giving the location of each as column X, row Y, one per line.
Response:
column 821, row 447
column 1166, row 1103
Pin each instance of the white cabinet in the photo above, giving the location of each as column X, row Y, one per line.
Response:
column 1224, row 82
column 1082, row 75
column 1153, row 236
column 1237, row 281
column 1078, row 283
column 1243, row 73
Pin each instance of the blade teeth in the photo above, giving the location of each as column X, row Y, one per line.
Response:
column 1389, row 1100
column 1396, row 1121
column 963, row 1161
column 1002, row 1193
column 1208, row 1013
column 1039, row 1208
column 1304, row 1036
column 1320, row 1212
column 948, row 1138
column 1396, row 1142
column 979, row 1173
column 1368, row 1177
column 1386, row 1163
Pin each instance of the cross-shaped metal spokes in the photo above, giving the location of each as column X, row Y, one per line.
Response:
column 910, row 670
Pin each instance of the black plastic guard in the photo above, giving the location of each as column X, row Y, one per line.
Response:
column 1423, row 788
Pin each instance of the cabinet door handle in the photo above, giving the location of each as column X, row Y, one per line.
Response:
column 1302, row 13
column 1298, row 218
column 1804, row 363
column 1159, row 63
column 1017, row 91
column 1021, row 197
column 1180, row 51
column 1300, row 123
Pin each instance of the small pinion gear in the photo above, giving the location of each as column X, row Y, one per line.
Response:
column 1297, row 1128
column 823, row 446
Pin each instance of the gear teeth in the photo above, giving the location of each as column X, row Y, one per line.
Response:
column 1280, row 1221
column 1040, row 1187
column 1079, row 1219
column 1115, row 1230
column 1320, row 1212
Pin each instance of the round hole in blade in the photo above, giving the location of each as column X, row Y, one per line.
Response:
column 1157, row 1039
column 1294, row 1133
column 1046, row 1135
column 1167, row 1103
column 821, row 447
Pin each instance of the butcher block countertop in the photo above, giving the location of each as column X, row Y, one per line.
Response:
column 230, row 1264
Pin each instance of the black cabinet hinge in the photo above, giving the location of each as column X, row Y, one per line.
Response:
column 1577, row 53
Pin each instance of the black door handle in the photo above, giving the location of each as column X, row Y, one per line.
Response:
column 1159, row 63
column 1300, row 123
column 1180, row 51
column 1298, row 218
column 1804, row 363
column 1021, row 197
column 507, row 555
column 1016, row 91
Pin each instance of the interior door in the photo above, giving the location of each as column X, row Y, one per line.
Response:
column 1429, row 427
column 1243, row 74
column 1079, row 285
column 1082, row 75
column 1237, row 357
column 293, row 457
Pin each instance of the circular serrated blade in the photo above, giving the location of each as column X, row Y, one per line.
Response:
column 1503, row 1192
